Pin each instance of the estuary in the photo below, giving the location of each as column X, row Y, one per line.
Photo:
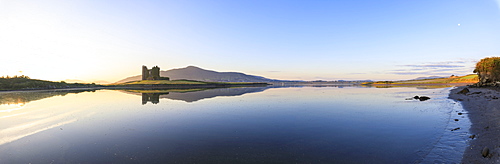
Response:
column 233, row 125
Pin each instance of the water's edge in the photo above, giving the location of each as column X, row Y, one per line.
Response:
column 453, row 142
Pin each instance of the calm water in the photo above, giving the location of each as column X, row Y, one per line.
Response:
column 240, row 125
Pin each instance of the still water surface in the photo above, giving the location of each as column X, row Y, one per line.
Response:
column 238, row 125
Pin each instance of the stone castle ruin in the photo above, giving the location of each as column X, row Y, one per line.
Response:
column 152, row 74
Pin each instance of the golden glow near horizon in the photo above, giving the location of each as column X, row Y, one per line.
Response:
column 25, row 119
column 10, row 108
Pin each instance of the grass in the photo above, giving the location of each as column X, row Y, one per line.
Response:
column 25, row 83
column 472, row 78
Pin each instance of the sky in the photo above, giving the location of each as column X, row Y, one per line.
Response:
column 94, row 40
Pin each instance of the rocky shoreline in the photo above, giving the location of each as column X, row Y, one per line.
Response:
column 482, row 106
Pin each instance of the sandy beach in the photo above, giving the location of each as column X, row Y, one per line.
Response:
column 482, row 106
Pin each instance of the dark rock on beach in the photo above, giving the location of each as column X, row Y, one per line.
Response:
column 485, row 152
column 464, row 91
column 421, row 98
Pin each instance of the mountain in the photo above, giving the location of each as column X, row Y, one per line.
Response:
column 195, row 73
column 81, row 81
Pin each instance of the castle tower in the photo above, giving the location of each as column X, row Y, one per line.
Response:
column 155, row 73
column 152, row 74
column 145, row 72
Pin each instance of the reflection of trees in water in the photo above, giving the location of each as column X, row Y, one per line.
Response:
column 151, row 97
column 25, row 97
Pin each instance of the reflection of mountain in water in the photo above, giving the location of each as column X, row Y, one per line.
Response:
column 195, row 96
column 191, row 95
column 24, row 97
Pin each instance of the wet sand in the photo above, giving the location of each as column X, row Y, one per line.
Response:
column 482, row 106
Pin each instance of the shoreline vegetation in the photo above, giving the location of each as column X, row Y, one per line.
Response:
column 467, row 79
column 24, row 83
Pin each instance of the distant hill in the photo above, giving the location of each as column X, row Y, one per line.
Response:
column 81, row 81
column 198, row 74
column 430, row 77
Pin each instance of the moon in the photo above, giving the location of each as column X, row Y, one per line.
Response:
column 459, row 24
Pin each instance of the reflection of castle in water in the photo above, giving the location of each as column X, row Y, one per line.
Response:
column 151, row 97
column 189, row 95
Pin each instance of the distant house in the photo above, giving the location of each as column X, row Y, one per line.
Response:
column 152, row 74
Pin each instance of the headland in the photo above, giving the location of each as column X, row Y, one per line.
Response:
column 452, row 80
column 26, row 84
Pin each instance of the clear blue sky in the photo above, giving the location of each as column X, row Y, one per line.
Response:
column 294, row 40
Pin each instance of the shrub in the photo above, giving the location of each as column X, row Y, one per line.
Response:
column 488, row 70
column 164, row 78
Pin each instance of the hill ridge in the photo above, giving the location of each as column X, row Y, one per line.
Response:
column 200, row 74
